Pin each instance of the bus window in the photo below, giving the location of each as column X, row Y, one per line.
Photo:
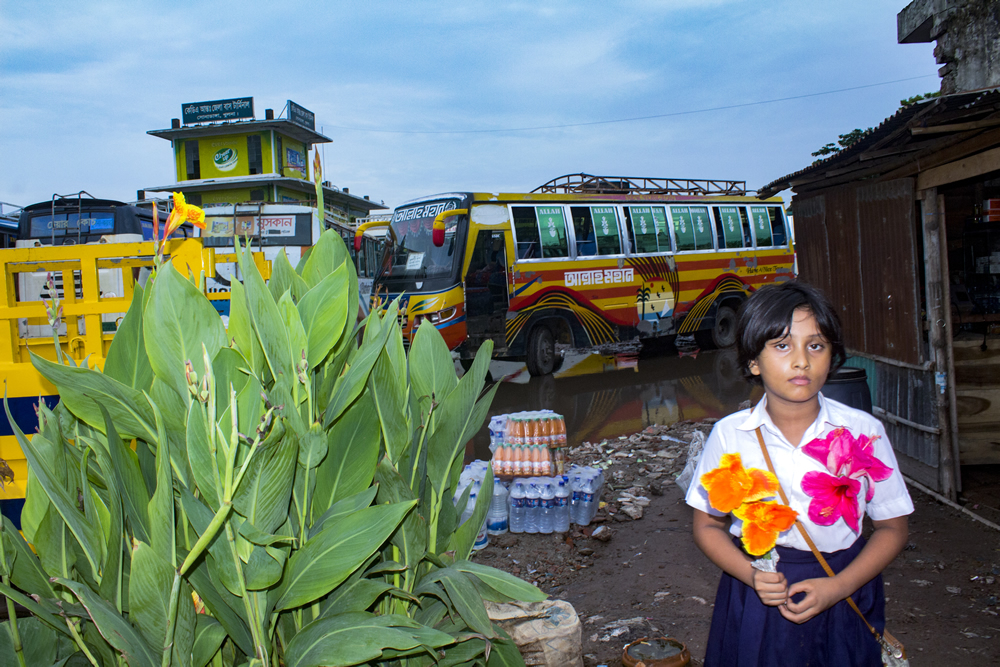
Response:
column 692, row 227
column 552, row 227
column 526, row 232
column 768, row 226
column 729, row 222
column 596, row 230
column 647, row 226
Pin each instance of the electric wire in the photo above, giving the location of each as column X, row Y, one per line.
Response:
column 636, row 118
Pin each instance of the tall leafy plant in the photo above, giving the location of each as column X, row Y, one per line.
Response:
column 271, row 492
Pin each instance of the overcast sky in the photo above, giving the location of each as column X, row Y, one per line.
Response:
column 424, row 97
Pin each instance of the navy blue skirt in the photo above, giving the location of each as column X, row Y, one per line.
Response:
column 747, row 633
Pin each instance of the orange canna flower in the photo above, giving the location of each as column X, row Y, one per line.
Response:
column 730, row 485
column 762, row 521
column 182, row 212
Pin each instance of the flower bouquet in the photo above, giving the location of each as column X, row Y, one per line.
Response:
column 742, row 491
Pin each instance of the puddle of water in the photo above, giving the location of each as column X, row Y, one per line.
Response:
column 601, row 397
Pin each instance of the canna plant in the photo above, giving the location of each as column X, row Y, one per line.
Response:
column 268, row 493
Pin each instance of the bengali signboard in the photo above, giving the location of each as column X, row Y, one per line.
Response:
column 216, row 110
column 301, row 116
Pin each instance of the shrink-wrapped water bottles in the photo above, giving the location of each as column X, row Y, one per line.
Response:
column 532, row 503
column 561, row 510
column 496, row 519
column 547, row 507
column 517, row 507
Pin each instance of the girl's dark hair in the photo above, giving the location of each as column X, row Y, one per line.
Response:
column 767, row 315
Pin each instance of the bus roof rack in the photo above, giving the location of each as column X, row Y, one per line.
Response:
column 623, row 185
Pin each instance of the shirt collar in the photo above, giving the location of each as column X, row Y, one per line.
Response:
column 758, row 417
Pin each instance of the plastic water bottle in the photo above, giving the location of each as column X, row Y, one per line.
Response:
column 547, row 508
column 562, row 497
column 532, row 498
column 585, row 513
column 517, row 508
column 575, row 501
column 496, row 519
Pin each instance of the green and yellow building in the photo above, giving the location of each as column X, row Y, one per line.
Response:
column 224, row 155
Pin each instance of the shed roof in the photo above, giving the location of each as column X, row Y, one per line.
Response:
column 917, row 137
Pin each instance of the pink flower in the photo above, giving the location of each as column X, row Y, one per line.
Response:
column 832, row 498
column 847, row 456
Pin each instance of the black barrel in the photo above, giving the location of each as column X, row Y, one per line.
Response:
column 849, row 385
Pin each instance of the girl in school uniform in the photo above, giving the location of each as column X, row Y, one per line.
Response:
column 789, row 340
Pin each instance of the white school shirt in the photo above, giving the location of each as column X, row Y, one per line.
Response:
column 735, row 433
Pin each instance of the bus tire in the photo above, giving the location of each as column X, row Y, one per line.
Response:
column 724, row 333
column 541, row 358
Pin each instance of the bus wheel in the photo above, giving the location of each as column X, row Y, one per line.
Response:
column 724, row 333
column 541, row 351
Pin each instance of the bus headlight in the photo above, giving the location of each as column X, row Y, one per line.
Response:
column 435, row 317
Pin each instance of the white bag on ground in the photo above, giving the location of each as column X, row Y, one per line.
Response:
column 694, row 453
column 547, row 633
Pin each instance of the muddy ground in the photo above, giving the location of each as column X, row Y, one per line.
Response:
column 635, row 577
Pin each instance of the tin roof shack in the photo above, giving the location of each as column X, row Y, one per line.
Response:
column 900, row 230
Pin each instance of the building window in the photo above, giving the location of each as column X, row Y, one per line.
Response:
column 194, row 199
column 281, row 155
column 257, row 195
column 193, row 161
column 253, row 151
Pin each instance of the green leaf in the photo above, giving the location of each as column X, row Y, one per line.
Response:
column 177, row 322
column 265, row 319
column 127, row 361
column 297, row 341
column 264, row 567
column 205, row 465
column 353, row 638
column 505, row 652
column 161, row 505
column 221, row 565
column 505, row 584
column 352, row 382
column 39, row 643
column 390, row 394
column 208, row 637
column 27, row 572
column 324, row 257
column 115, row 629
column 324, row 314
column 81, row 389
column 241, row 327
column 356, row 595
column 84, row 530
column 45, row 611
column 129, row 479
column 149, row 603
column 264, row 493
column 432, row 371
column 222, row 604
column 411, row 538
column 465, row 599
column 327, row 559
column 112, row 576
column 345, row 507
column 465, row 535
column 284, row 279
column 352, row 454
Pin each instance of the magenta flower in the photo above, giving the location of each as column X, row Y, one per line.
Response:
column 832, row 498
column 847, row 456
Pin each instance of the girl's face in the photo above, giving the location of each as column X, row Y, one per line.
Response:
column 795, row 366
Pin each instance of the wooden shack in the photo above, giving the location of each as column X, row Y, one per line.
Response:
column 902, row 230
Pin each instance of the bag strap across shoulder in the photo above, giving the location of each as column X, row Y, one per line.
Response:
column 805, row 535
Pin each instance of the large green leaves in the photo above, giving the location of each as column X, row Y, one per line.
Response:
column 149, row 603
column 328, row 558
column 352, row 451
column 178, row 321
column 353, row 638
column 127, row 361
column 324, row 314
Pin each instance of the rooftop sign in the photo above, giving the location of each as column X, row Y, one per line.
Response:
column 204, row 112
column 301, row 116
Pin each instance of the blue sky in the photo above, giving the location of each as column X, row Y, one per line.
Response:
column 425, row 97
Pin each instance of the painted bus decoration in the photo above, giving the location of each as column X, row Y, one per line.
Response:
column 585, row 262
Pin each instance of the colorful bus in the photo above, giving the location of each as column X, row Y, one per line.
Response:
column 583, row 262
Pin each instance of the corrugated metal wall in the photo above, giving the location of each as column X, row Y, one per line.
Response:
column 860, row 243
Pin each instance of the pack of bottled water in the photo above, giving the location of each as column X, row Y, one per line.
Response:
column 585, row 486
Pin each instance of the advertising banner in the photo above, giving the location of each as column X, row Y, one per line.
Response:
column 643, row 228
column 702, row 226
column 761, row 225
column 216, row 110
column 606, row 229
column 552, row 228
column 731, row 226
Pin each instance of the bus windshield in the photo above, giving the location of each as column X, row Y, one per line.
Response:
column 415, row 258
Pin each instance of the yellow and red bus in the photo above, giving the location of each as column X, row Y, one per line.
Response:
column 583, row 262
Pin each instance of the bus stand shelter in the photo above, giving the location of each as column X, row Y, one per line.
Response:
column 901, row 232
